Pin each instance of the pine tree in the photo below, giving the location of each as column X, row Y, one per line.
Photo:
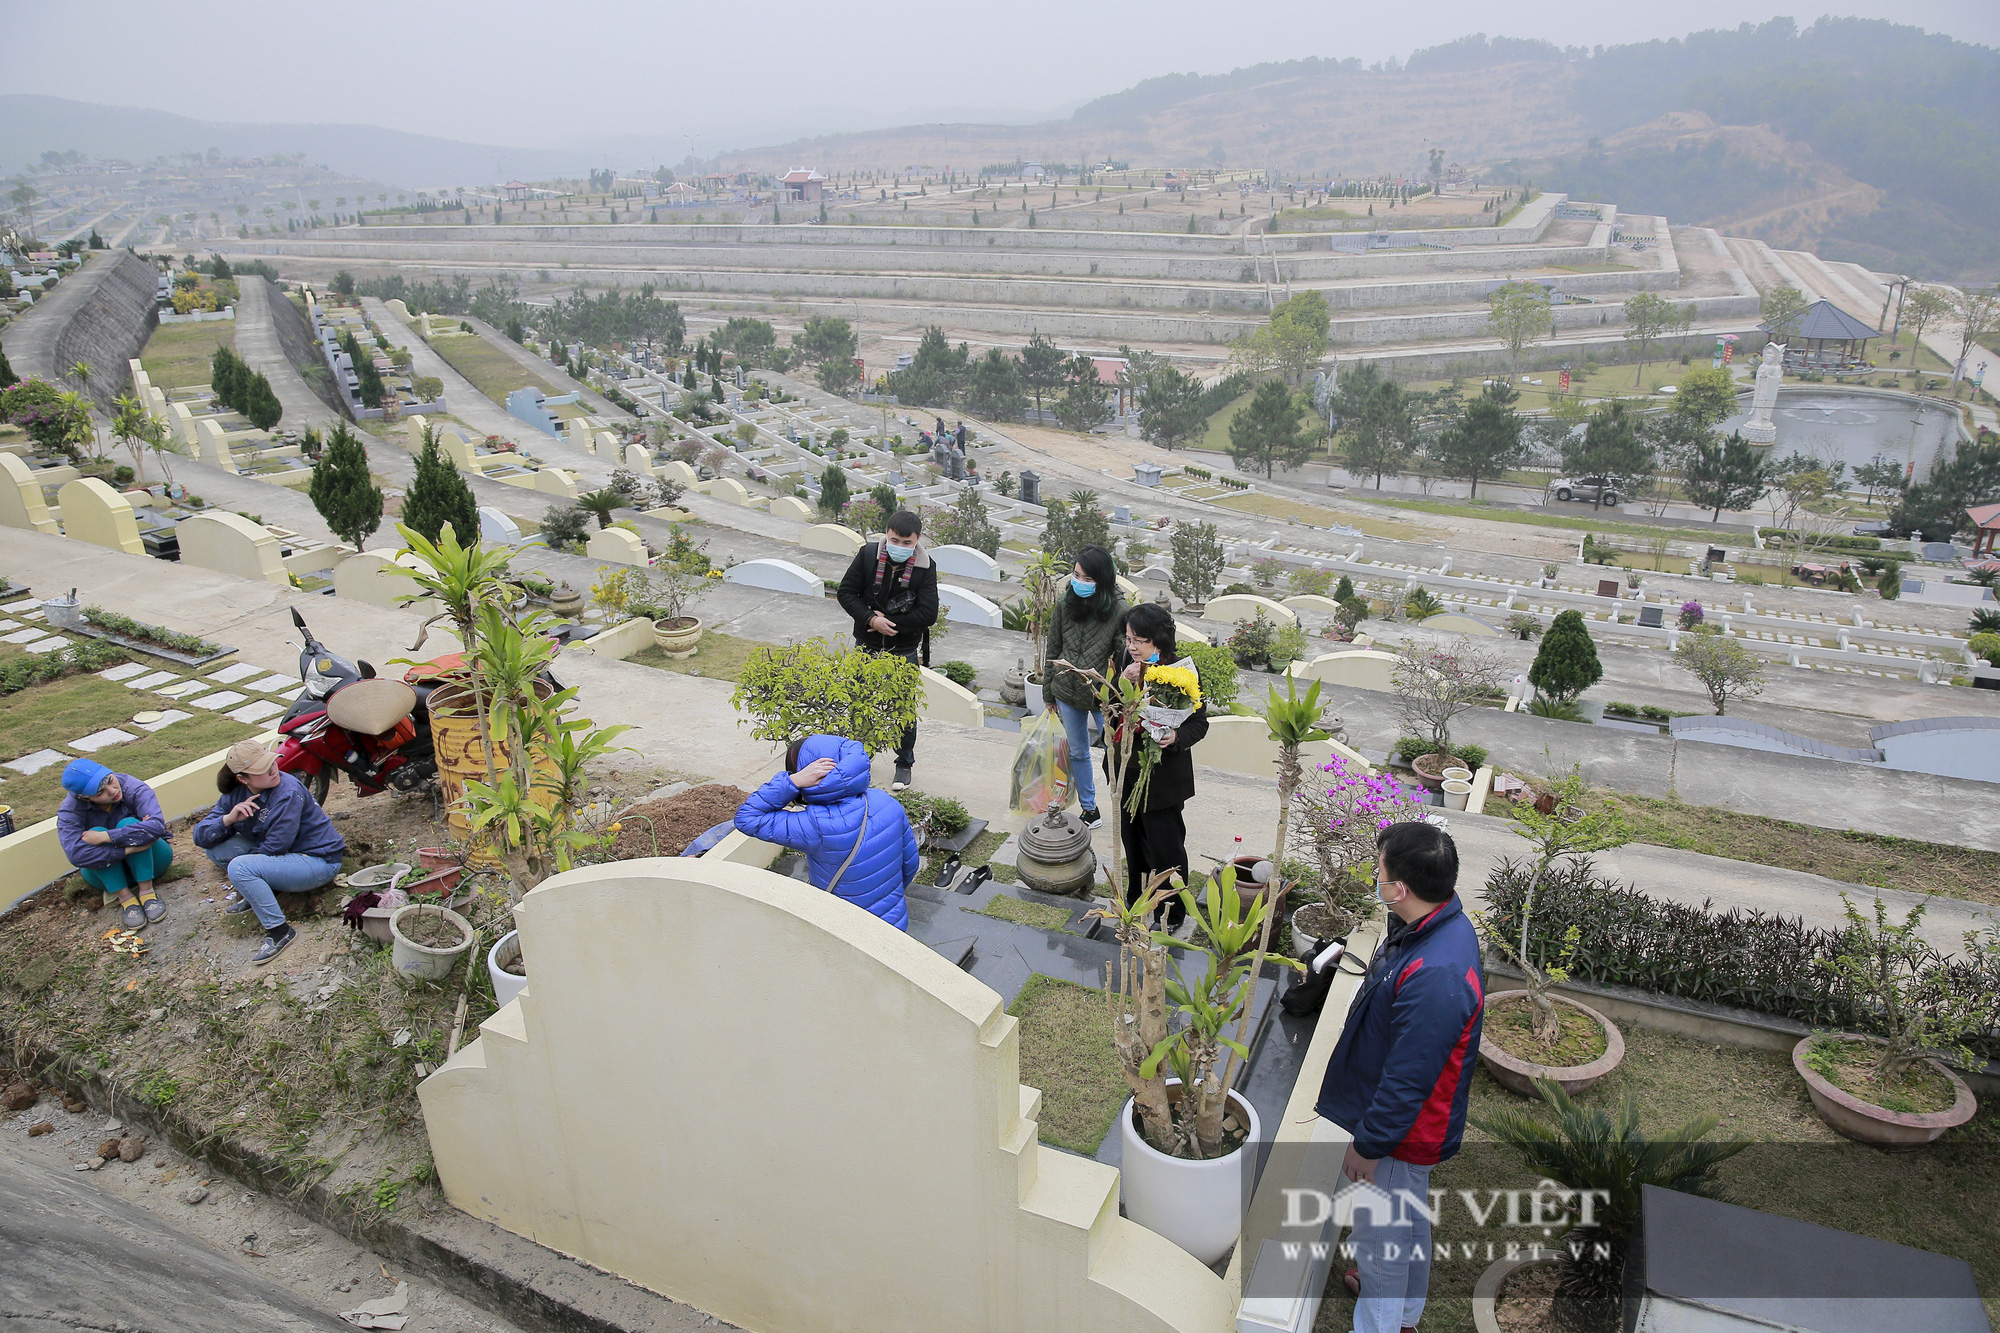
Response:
column 438, row 495
column 343, row 492
column 7, row 376
column 260, row 402
column 1345, row 590
column 1567, row 663
column 833, row 493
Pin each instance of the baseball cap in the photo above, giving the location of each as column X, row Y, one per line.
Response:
column 250, row 759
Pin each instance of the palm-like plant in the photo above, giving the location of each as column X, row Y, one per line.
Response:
column 1294, row 724
column 462, row 579
column 1984, row 622
column 1607, row 1161
column 600, row 503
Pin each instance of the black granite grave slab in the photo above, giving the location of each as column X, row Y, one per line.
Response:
column 1729, row 1266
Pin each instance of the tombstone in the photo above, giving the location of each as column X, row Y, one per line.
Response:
column 496, row 529
column 214, row 446
column 21, row 503
column 619, row 546
column 1031, row 487
column 360, row 578
column 1607, row 587
column 231, row 544
column 638, row 460
column 605, row 445
column 729, row 491
column 1938, row 553
column 954, row 463
column 554, row 481
column 93, row 512
column 1146, row 474
column 832, row 538
column 1717, row 556
column 965, row 607
column 1240, row 608
column 1122, row 514
column 455, row 447
column 1458, row 622
column 790, row 506
column 1651, row 617
column 677, row 471
column 895, row 477
column 505, row 1114
column 965, row 562
column 776, row 576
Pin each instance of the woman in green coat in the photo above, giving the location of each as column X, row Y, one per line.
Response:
column 1083, row 632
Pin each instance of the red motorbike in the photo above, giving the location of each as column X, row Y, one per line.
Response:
column 349, row 720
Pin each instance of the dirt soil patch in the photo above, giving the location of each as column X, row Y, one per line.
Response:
column 1066, row 1051
column 1511, row 1025
column 1526, row 1298
column 665, row 827
column 1873, row 859
column 1850, row 1066
column 433, row 930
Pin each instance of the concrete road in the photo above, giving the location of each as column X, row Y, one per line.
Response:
column 257, row 343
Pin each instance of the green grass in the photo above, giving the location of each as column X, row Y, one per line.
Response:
column 36, row 797
column 720, row 657
column 1271, row 506
column 1480, row 509
column 1042, row 916
column 1873, row 859
column 177, row 354
column 1216, row 436
column 496, row 374
column 1067, row 1053
column 1797, row 1167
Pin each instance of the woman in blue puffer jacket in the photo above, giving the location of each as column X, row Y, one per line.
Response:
column 830, row 774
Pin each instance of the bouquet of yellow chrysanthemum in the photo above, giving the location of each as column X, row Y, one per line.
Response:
column 1171, row 693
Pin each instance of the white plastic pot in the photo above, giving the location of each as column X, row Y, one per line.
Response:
column 1456, row 792
column 505, row 984
column 1033, row 689
column 419, row 962
column 1198, row 1205
column 1457, row 771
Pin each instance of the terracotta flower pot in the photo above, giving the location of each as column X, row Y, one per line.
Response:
column 1865, row 1122
column 1516, row 1074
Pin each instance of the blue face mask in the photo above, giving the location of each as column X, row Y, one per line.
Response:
column 1082, row 587
column 900, row 553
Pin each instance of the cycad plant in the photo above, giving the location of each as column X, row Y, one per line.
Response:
column 1612, row 1158
column 1294, row 724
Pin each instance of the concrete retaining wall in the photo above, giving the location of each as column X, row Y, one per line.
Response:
column 101, row 314
column 295, row 335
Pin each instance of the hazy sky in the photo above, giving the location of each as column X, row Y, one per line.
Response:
column 537, row 74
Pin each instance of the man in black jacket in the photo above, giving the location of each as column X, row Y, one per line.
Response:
column 890, row 590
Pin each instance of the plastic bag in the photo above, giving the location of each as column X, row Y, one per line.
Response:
column 1041, row 766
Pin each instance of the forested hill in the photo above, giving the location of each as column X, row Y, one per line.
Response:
column 1912, row 115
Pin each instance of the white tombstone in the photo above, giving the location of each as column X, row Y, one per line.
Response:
column 962, row 606
column 495, row 528
column 776, row 576
column 965, row 562
column 619, row 546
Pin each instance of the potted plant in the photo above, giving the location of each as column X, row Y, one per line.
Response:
column 506, row 968
column 667, row 599
column 1042, row 582
column 1185, row 1125
column 1250, row 645
column 1433, row 686
column 1614, row 1159
column 1893, row 1090
column 1549, row 572
column 1533, row 1034
column 1336, row 816
column 427, row 941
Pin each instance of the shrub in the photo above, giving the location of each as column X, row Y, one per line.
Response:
column 1217, row 669
column 112, row 622
column 39, row 668
column 1746, row 959
column 1421, row 604
column 1251, row 643
column 1567, row 663
column 1287, row 645
column 1267, row 570
column 812, row 688
column 565, row 527
column 1987, row 646
column 1522, row 625
column 960, row 673
column 123, row 474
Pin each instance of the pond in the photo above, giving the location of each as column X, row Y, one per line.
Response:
column 1840, row 426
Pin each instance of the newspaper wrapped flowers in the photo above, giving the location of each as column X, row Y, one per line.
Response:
column 1170, row 694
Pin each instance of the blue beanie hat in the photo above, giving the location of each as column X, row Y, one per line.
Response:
column 84, row 777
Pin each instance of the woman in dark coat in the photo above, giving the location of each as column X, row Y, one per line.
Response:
column 1155, row 838
column 1086, row 627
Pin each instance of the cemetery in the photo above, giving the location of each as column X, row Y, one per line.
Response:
column 1689, row 889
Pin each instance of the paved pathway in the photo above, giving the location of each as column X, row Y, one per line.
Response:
column 467, row 403
column 683, row 724
column 258, row 344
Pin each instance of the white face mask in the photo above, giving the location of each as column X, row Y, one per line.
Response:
column 1381, row 885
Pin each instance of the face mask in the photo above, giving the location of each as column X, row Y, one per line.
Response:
column 1082, row 587
column 1386, row 902
column 901, row 553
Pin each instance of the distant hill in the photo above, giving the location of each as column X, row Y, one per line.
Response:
column 35, row 125
column 1862, row 139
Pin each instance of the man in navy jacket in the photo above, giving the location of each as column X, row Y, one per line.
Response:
column 1399, row 1080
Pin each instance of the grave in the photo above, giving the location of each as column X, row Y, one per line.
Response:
column 618, row 546
column 832, row 538
column 965, row 607
column 93, row 512
column 231, row 544
column 21, row 503
column 777, row 576
column 965, row 562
